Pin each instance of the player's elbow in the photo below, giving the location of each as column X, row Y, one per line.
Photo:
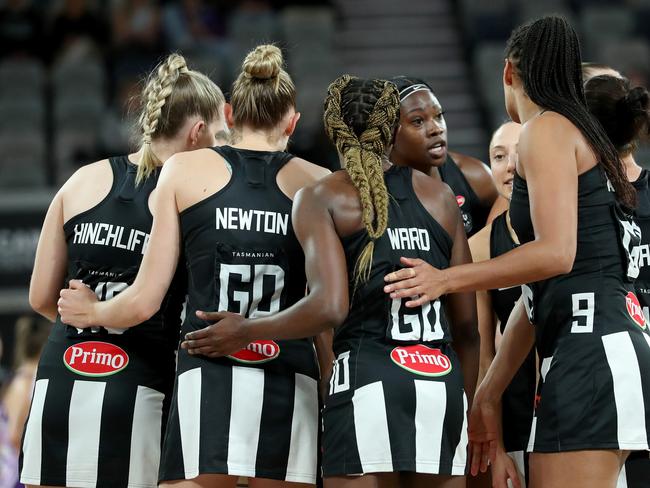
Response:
column 334, row 311
column 561, row 260
column 42, row 304
column 144, row 310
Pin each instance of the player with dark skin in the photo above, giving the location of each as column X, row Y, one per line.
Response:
column 323, row 215
column 422, row 145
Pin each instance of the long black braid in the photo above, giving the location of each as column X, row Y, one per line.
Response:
column 546, row 55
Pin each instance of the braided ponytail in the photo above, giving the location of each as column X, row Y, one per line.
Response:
column 158, row 89
column 360, row 116
column 182, row 93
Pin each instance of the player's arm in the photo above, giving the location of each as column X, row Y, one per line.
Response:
column 461, row 308
column 326, row 305
column 79, row 307
column 48, row 276
column 485, row 417
column 548, row 148
column 479, row 244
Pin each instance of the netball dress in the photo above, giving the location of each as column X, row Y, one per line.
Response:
column 396, row 399
column 518, row 398
column 101, row 396
column 636, row 472
column 591, row 334
column 474, row 212
column 254, row 413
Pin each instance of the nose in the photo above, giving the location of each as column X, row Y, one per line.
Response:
column 435, row 128
column 513, row 157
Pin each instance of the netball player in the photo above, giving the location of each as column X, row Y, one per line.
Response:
column 494, row 307
column 422, row 144
column 255, row 412
column 394, row 416
column 624, row 113
column 591, row 337
column 102, row 395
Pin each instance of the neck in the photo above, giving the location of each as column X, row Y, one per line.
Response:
column 260, row 140
column 162, row 148
column 526, row 109
column 632, row 169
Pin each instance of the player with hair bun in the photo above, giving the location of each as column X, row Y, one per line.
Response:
column 395, row 411
column 227, row 209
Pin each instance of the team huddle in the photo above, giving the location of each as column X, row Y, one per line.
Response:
column 240, row 312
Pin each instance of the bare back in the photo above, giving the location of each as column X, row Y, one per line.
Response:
column 200, row 174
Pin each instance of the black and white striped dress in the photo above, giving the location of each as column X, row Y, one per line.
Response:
column 396, row 400
column 254, row 413
column 101, row 396
column 592, row 335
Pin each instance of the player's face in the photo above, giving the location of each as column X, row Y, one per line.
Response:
column 421, row 141
column 503, row 157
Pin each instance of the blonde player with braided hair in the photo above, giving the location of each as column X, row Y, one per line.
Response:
column 394, row 415
column 102, row 395
column 255, row 412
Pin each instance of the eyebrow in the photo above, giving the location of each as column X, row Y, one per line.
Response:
column 437, row 109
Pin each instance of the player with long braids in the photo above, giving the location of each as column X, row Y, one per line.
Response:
column 577, row 256
column 102, row 395
column 395, row 412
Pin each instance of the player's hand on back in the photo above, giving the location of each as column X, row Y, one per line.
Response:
column 225, row 336
column 418, row 280
column 75, row 305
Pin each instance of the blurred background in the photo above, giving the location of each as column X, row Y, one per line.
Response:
column 70, row 69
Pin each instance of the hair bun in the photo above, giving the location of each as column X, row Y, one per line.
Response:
column 638, row 100
column 264, row 63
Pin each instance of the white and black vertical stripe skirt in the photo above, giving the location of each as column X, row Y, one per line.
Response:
column 242, row 420
column 594, row 389
column 393, row 408
column 97, row 414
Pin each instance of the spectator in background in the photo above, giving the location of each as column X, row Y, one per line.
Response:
column 8, row 464
column 21, row 29
column 191, row 24
column 31, row 334
column 77, row 31
column 136, row 35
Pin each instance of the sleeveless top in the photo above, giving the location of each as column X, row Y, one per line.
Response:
column 105, row 248
column 503, row 300
column 606, row 238
column 243, row 256
column 519, row 396
column 412, row 232
column 474, row 213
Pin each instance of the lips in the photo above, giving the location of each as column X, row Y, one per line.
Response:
column 437, row 149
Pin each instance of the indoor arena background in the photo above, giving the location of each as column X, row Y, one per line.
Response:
column 70, row 69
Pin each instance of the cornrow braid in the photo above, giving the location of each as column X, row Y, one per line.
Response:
column 546, row 56
column 159, row 87
column 360, row 118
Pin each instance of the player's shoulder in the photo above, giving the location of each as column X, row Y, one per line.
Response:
column 98, row 171
column 433, row 192
column 310, row 171
column 470, row 166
